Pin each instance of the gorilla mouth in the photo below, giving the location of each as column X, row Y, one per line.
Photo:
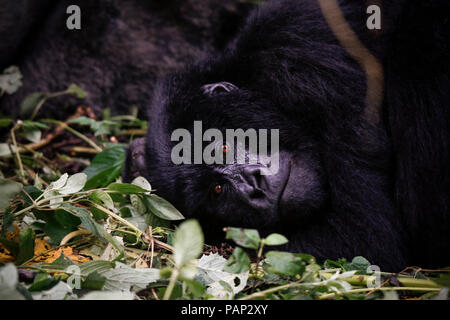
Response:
column 266, row 193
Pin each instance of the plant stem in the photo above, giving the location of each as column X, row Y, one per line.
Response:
column 25, row 210
column 424, row 289
column 117, row 217
column 44, row 99
column 74, row 234
column 258, row 259
column 139, row 233
column 173, row 280
column 76, row 133
column 411, row 285
column 362, row 280
column 38, row 107
column 263, row 293
column 17, row 152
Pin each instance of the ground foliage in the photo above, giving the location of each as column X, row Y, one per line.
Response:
column 70, row 229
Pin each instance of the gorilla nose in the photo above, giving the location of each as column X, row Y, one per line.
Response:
column 256, row 189
column 255, row 182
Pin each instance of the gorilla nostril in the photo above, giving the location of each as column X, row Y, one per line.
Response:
column 256, row 193
column 254, row 178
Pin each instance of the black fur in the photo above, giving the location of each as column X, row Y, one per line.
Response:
column 380, row 190
column 120, row 51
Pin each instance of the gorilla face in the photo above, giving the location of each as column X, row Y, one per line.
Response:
column 239, row 195
column 229, row 193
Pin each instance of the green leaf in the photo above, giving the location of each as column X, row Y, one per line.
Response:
column 5, row 122
column 62, row 262
column 142, row 182
column 226, row 286
column 117, row 197
column 89, row 223
column 8, row 191
column 33, row 192
column 83, row 121
column 358, row 263
column 74, row 184
column 188, row 242
column 26, row 246
column 76, row 91
column 162, row 208
column 58, row 184
column 102, row 198
column 443, row 280
column 98, row 127
column 165, row 273
column 99, row 266
column 5, row 149
column 125, row 212
column 66, row 219
column 33, row 135
column 28, row 124
column 285, row 263
column 139, row 204
column 247, row 238
column 239, row 262
column 197, row 289
column 58, row 223
column 126, row 188
column 176, row 293
column 37, row 183
column 187, row 272
column 7, row 222
column 98, row 214
column 43, row 281
column 30, row 103
column 94, row 281
column 210, row 274
column 155, row 221
column 275, row 239
column 105, row 167
column 123, row 277
column 11, row 245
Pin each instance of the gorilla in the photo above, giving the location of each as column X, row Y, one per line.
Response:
column 117, row 55
column 363, row 122
column 362, row 113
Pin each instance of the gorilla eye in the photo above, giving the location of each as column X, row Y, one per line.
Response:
column 218, row 189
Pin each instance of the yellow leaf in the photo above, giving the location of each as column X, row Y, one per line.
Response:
column 5, row 255
column 51, row 256
column 41, row 246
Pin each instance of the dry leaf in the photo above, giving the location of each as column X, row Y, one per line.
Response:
column 5, row 255
column 41, row 246
column 141, row 264
column 88, row 252
column 51, row 256
column 13, row 235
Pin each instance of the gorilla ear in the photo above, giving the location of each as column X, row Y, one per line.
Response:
column 213, row 88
